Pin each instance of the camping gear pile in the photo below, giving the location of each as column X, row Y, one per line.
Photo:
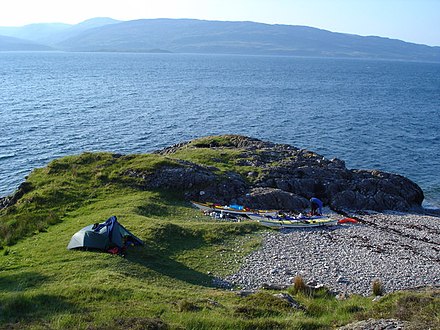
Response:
column 109, row 236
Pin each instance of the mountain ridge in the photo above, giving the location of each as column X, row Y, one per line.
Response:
column 226, row 37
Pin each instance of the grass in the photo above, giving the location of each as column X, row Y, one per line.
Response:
column 224, row 160
column 166, row 284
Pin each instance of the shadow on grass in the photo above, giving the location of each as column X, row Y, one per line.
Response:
column 152, row 209
column 165, row 241
column 19, row 307
column 162, row 263
column 21, row 281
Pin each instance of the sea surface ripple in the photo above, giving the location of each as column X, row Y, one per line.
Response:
column 373, row 114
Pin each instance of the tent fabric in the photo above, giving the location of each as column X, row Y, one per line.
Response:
column 103, row 236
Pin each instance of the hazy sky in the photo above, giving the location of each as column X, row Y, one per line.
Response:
column 410, row 20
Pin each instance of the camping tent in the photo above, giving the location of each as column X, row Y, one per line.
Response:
column 103, row 236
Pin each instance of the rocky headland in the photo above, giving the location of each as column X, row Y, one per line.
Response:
column 261, row 174
column 279, row 176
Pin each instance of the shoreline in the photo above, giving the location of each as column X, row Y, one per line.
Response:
column 401, row 250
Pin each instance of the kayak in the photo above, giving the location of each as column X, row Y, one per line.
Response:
column 315, row 221
column 233, row 209
column 348, row 220
column 277, row 217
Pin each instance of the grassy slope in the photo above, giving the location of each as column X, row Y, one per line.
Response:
column 164, row 283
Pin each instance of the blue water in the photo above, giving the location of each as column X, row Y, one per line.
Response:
column 373, row 114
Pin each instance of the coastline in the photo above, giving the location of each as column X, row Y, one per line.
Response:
column 401, row 250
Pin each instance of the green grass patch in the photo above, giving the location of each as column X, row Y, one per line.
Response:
column 222, row 159
column 165, row 284
column 419, row 308
column 70, row 183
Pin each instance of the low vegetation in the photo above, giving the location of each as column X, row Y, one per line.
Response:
column 165, row 284
column 377, row 287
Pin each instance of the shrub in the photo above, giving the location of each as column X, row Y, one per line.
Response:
column 299, row 286
column 377, row 288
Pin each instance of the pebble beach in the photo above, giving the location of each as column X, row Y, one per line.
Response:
column 401, row 250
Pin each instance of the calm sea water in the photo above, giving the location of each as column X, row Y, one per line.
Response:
column 373, row 114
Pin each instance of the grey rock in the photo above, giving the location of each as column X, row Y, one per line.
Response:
column 288, row 177
column 8, row 201
column 273, row 198
column 245, row 293
column 287, row 297
column 272, row 286
column 380, row 324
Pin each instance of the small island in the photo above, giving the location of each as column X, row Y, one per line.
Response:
column 198, row 272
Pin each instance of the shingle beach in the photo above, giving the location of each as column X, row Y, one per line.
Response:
column 401, row 250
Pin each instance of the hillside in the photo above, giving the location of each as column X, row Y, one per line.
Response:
column 174, row 281
column 75, row 30
column 11, row 44
column 34, row 32
column 52, row 33
column 218, row 37
column 195, row 36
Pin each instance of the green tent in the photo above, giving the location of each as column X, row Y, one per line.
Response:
column 103, row 236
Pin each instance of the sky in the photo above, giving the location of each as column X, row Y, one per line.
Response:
column 415, row 21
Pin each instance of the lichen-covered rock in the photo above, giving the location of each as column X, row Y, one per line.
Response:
column 272, row 198
column 286, row 177
column 196, row 181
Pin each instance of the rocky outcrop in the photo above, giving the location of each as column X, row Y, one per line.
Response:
column 285, row 177
column 11, row 200
column 273, row 198
column 266, row 175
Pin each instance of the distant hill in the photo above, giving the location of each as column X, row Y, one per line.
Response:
column 34, row 32
column 197, row 36
column 51, row 33
column 218, row 37
column 80, row 28
column 15, row 44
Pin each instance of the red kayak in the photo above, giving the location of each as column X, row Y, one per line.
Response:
column 348, row 220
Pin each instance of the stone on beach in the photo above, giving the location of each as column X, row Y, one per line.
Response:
column 402, row 251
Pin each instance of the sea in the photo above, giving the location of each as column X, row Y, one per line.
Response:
column 373, row 114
